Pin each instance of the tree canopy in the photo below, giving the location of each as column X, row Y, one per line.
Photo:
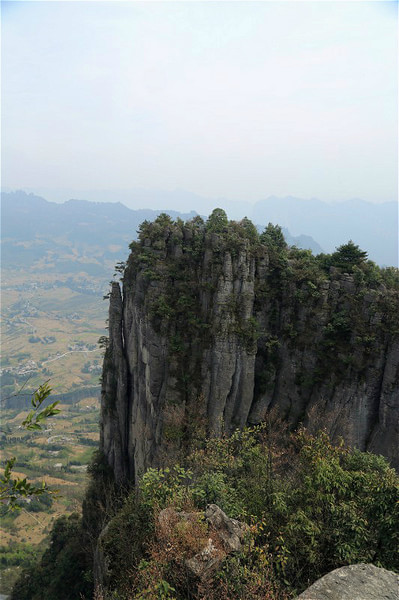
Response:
column 217, row 220
column 348, row 255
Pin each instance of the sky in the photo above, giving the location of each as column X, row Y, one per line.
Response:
column 241, row 100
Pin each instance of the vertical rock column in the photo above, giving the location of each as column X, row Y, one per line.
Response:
column 228, row 365
column 114, row 397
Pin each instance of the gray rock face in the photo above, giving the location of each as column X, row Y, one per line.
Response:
column 208, row 335
column 355, row 582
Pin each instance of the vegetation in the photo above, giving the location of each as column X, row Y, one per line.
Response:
column 348, row 256
column 62, row 572
column 310, row 507
column 12, row 490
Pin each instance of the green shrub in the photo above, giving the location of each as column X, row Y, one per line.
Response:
column 311, row 506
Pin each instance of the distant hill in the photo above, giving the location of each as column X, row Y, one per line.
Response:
column 75, row 235
column 27, row 216
column 374, row 227
column 81, row 235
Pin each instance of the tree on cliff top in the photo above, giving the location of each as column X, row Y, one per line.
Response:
column 217, row 221
column 348, row 255
column 273, row 237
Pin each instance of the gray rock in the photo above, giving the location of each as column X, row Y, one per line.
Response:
column 230, row 531
column 225, row 536
column 204, row 564
column 355, row 582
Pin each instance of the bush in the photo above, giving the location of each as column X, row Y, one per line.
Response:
column 347, row 256
column 311, row 506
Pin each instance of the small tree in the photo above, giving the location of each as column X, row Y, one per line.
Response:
column 217, row 221
column 250, row 230
column 273, row 237
column 348, row 255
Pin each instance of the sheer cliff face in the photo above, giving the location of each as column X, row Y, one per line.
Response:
column 211, row 330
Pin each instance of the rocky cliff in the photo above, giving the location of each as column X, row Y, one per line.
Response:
column 216, row 325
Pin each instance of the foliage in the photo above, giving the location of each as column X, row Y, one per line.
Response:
column 311, row 506
column 102, row 498
column 249, row 229
column 273, row 238
column 35, row 416
column 344, row 511
column 347, row 256
column 103, row 342
column 162, row 487
column 128, row 534
column 390, row 276
column 247, row 575
column 13, row 490
column 217, row 221
column 14, row 554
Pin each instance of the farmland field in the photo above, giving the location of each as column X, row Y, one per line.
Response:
column 50, row 330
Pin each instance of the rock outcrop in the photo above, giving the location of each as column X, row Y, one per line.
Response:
column 211, row 330
column 225, row 536
column 355, row 582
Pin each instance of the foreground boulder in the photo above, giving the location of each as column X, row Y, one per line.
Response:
column 355, row 582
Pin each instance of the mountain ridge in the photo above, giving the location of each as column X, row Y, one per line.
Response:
column 29, row 218
column 329, row 224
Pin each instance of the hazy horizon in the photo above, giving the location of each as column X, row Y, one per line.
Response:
column 232, row 102
column 178, row 200
column 314, row 224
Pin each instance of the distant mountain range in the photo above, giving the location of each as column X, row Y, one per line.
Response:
column 72, row 237
column 374, row 227
column 79, row 233
column 311, row 223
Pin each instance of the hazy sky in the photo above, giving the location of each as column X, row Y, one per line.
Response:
column 235, row 99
